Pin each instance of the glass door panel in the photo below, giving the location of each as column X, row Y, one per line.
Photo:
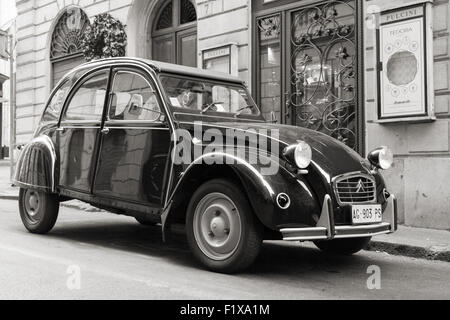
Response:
column 163, row 49
column 322, row 75
column 187, row 49
column 269, row 91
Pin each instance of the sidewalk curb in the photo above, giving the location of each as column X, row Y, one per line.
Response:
column 409, row 251
column 8, row 197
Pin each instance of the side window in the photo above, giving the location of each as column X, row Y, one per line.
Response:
column 54, row 107
column 87, row 103
column 133, row 98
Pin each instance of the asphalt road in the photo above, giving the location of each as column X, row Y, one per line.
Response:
column 104, row 256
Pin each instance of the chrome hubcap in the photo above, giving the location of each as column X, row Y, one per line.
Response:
column 31, row 202
column 217, row 226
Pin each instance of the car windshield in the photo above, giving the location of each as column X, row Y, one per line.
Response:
column 199, row 96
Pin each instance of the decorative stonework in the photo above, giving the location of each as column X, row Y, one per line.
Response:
column 68, row 34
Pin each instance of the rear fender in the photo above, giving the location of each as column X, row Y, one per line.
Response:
column 35, row 167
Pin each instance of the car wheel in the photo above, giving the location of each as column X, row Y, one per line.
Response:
column 38, row 210
column 343, row 246
column 146, row 222
column 222, row 231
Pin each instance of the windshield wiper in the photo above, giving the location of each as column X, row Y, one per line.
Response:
column 240, row 110
column 206, row 107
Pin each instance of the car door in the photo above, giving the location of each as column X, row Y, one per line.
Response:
column 78, row 132
column 135, row 141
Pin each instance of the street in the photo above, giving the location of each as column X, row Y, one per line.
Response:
column 116, row 258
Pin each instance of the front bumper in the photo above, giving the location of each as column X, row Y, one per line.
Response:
column 326, row 230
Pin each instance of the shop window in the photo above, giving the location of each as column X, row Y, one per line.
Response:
column 269, row 66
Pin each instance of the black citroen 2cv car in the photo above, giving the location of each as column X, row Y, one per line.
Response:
column 169, row 144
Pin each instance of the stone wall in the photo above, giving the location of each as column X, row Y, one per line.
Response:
column 421, row 174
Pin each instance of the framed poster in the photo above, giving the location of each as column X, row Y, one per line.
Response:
column 403, row 70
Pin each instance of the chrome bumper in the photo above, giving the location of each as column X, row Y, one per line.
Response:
column 326, row 230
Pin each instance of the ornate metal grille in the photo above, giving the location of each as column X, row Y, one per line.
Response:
column 165, row 18
column 323, row 64
column 187, row 12
column 355, row 189
column 69, row 32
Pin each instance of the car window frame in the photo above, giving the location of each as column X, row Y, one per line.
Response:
column 224, row 115
column 151, row 83
column 74, row 89
column 52, row 95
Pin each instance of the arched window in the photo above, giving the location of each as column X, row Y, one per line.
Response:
column 66, row 49
column 174, row 33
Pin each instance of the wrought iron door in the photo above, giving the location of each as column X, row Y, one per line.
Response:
column 322, row 77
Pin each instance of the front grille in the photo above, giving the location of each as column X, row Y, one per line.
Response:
column 355, row 189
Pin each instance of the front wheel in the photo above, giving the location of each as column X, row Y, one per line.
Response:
column 222, row 231
column 38, row 210
column 343, row 246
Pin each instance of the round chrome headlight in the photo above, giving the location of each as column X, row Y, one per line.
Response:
column 302, row 155
column 382, row 158
column 385, row 158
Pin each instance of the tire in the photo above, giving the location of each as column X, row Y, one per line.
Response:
column 343, row 246
column 146, row 222
column 222, row 230
column 38, row 210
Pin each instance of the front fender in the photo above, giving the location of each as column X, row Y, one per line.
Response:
column 35, row 167
column 262, row 191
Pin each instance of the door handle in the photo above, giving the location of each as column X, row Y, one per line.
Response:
column 105, row 131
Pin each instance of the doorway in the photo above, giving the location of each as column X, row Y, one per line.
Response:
column 308, row 67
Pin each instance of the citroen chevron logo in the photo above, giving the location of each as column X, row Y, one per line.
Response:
column 360, row 187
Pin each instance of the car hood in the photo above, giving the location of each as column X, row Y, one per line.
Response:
column 330, row 157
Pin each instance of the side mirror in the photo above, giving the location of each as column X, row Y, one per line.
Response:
column 135, row 106
column 273, row 117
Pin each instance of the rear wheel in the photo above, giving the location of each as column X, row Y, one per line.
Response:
column 343, row 246
column 38, row 210
column 222, row 231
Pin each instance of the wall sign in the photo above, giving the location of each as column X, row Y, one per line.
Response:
column 218, row 59
column 402, row 64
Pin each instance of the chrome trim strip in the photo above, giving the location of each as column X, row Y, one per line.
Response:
column 243, row 120
column 372, row 234
column 363, row 227
column 137, row 128
column 326, row 230
column 78, row 127
column 317, row 233
column 305, row 238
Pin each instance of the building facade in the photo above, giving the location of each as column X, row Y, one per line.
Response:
column 368, row 73
column 7, row 31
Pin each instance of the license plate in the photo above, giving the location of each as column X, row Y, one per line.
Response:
column 370, row 213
